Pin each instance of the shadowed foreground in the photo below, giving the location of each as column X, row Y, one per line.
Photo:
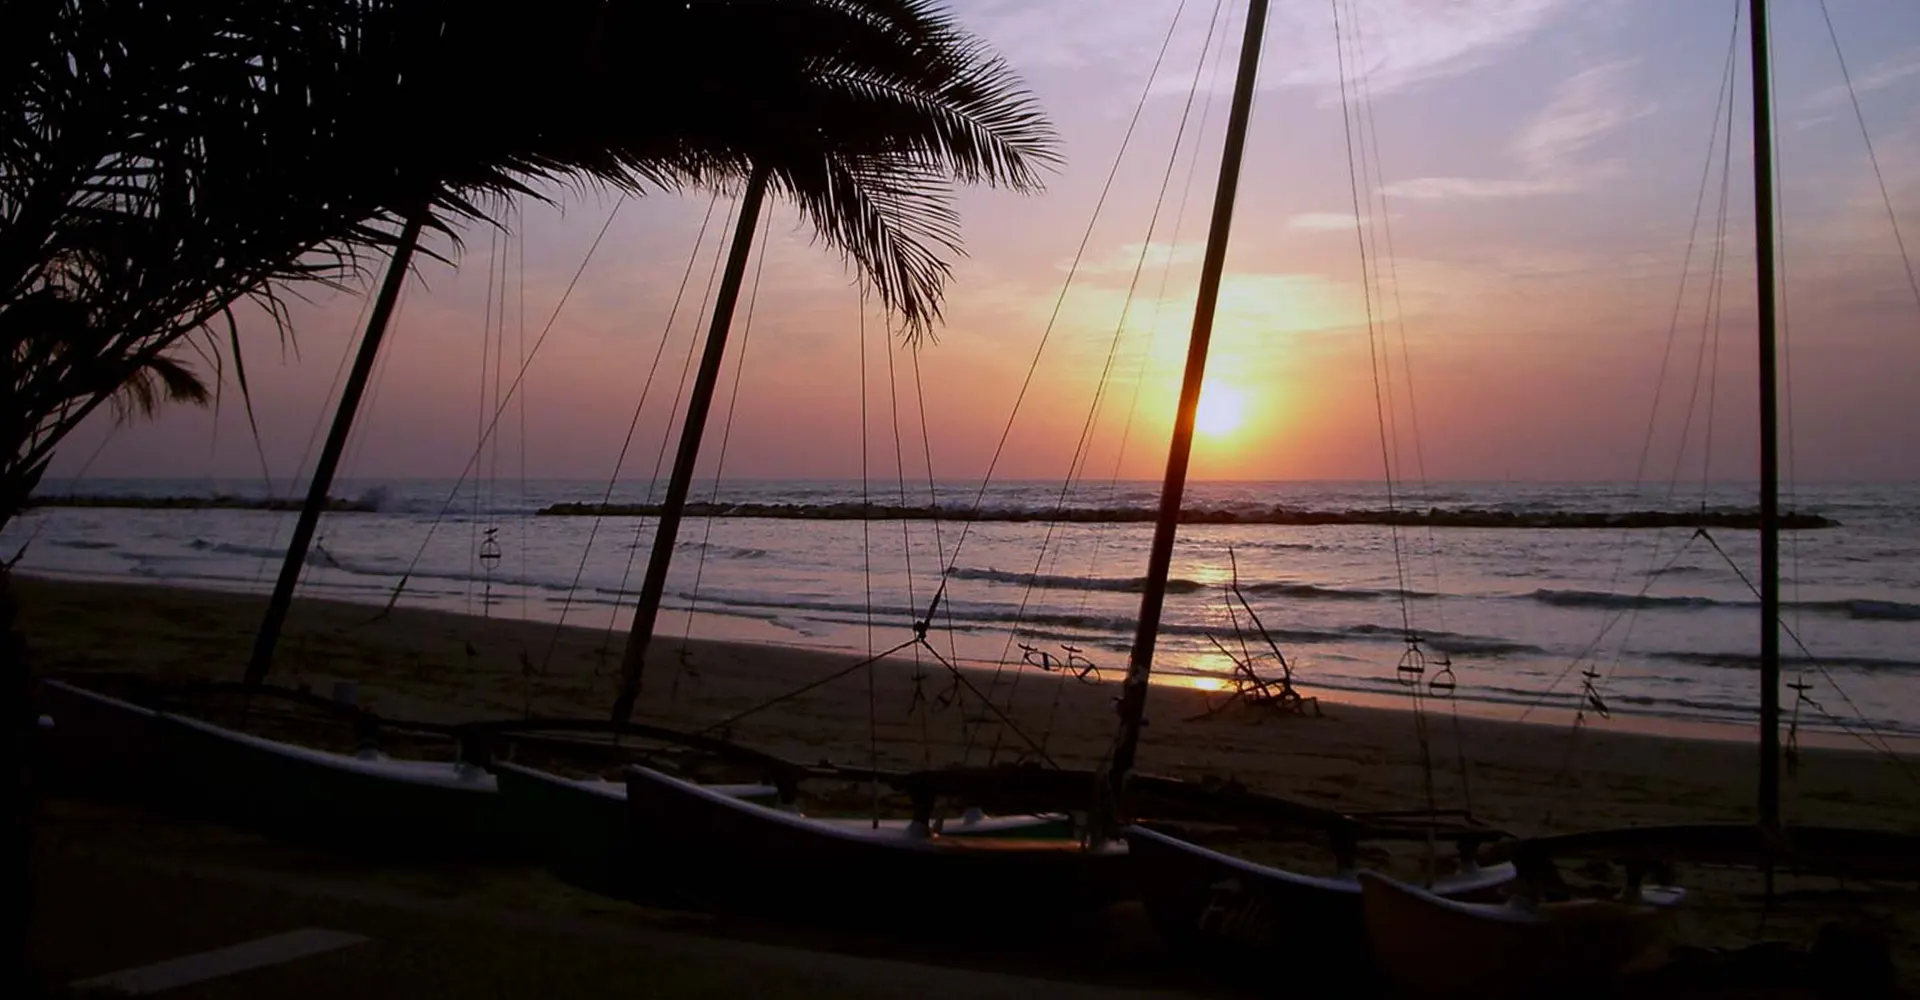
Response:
column 437, row 666
column 119, row 889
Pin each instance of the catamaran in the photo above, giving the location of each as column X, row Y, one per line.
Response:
column 1544, row 936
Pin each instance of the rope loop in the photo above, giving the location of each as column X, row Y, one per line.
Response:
column 1443, row 683
column 1413, row 662
column 1079, row 666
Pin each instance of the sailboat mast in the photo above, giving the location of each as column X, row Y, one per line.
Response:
column 1133, row 694
column 383, row 305
column 653, row 586
column 1769, row 429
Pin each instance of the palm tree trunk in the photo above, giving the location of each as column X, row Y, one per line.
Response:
column 654, row 586
column 19, row 828
column 17, row 677
column 329, row 464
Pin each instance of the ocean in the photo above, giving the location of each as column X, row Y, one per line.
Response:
column 1535, row 621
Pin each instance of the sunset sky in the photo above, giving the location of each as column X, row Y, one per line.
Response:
column 1540, row 161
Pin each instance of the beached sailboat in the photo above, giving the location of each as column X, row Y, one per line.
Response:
column 1213, row 904
column 741, row 854
column 744, row 854
column 1544, row 937
column 951, row 112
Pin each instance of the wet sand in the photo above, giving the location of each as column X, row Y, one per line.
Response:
column 1527, row 779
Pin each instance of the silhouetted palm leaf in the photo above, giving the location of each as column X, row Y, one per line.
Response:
column 163, row 164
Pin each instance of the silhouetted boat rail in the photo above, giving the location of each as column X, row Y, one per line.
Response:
column 335, row 505
column 1437, row 517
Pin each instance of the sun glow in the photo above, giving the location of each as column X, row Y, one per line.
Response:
column 1222, row 409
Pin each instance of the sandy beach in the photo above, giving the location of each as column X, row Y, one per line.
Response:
column 1524, row 778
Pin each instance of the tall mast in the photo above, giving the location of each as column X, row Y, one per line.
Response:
column 654, row 586
column 329, row 464
column 1133, row 694
column 1769, row 431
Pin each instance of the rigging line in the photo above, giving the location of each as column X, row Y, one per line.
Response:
column 1379, row 368
column 520, row 303
column 1353, row 182
column 1006, row 722
column 1614, row 619
column 253, row 429
column 1083, row 444
column 1723, row 104
column 679, row 393
column 213, row 437
column 728, row 723
column 313, row 434
column 1153, row 325
column 1883, row 746
column 1400, row 321
column 933, row 496
column 512, row 389
column 1716, row 305
column 1371, row 139
column 906, row 545
column 1166, row 276
column 350, row 461
column 319, row 420
column 1073, row 270
column 626, row 443
column 720, row 459
column 1083, row 447
column 1706, row 363
column 500, row 363
column 866, row 567
column 1369, row 182
column 1709, row 318
column 1879, row 178
column 1710, row 327
column 1786, row 372
column 480, row 415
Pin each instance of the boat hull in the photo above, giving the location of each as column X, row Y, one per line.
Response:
column 739, row 855
column 579, row 829
column 1428, row 945
column 98, row 746
column 577, row 832
column 372, row 805
column 1220, row 907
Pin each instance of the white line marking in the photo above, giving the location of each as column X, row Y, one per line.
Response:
column 190, row 969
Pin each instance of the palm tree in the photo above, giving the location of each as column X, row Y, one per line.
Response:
column 162, row 164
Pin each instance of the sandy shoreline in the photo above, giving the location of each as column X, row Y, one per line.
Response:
column 440, row 666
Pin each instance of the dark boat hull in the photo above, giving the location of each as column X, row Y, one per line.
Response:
column 1216, row 905
column 738, row 855
column 578, row 833
column 98, row 746
column 371, row 805
column 579, row 829
column 1428, row 945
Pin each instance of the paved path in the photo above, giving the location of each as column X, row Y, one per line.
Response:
column 199, row 928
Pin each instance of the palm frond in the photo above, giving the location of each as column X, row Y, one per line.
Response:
column 163, row 163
